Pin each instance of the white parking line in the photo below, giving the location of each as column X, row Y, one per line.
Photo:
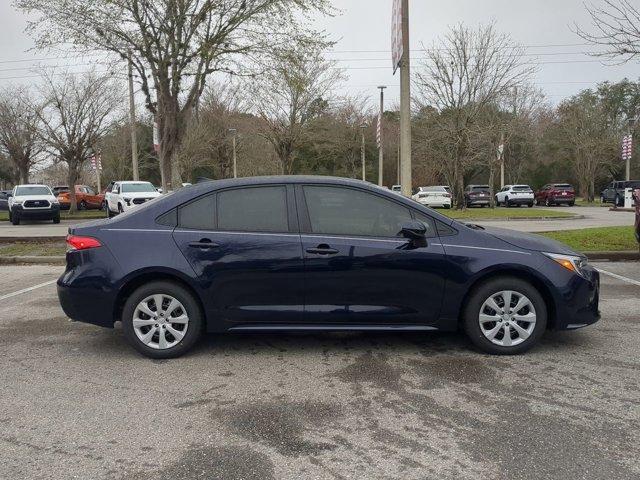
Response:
column 620, row 277
column 26, row 290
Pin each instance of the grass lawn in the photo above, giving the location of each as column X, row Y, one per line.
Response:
column 85, row 214
column 504, row 213
column 32, row 249
column 605, row 239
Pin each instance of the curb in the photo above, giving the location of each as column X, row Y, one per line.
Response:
column 59, row 239
column 33, row 260
column 520, row 219
column 629, row 255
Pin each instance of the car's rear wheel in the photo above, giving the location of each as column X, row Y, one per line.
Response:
column 82, row 205
column 505, row 316
column 547, row 203
column 162, row 320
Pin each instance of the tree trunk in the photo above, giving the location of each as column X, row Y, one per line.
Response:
column 491, row 184
column 72, row 178
column 23, row 172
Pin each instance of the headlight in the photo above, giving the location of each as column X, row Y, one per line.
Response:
column 570, row 262
column 55, row 201
column 18, row 202
column 128, row 201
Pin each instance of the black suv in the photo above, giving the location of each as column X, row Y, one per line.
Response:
column 614, row 193
column 477, row 195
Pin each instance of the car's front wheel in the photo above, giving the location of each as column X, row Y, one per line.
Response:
column 162, row 320
column 505, row 316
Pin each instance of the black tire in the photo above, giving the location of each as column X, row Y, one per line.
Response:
column 120, row 209
column 103, row 205
column 471, row 312
column 195, row 326
column 15, row 219
column 82, row 205
column 547, row 203
column 447, row 207
column 506, row 202
column 56, row 218
column 530, row 205
column 572, row 204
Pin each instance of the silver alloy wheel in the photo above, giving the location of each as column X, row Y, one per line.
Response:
column 160, row 321
column 507, row 318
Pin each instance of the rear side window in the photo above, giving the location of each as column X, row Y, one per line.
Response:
column 345, row 211
column 254, row 209
column 199, row 214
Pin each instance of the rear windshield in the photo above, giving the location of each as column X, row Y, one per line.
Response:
column 434, row 189
column 563, row 186
column 480, row 187
column 522, row 188
column 32, row 190
column 137, row 187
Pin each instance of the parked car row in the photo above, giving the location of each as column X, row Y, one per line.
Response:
column 615, row 191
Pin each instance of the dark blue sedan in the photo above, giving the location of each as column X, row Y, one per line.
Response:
column 316, row 254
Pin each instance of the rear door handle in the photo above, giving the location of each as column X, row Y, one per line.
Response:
column 322, row 250
column 204, row 244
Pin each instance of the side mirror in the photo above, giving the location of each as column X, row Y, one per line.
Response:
column 415, row 231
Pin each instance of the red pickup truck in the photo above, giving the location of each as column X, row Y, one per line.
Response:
column 556, row 194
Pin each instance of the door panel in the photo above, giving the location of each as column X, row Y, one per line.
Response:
column 373, row 281
column 249, row 277
column 357, row 269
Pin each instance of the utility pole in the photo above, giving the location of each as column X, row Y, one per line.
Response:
column 362, row 153
column 405, row 105
column 380, row 138
column 501, row 158
column 233, row 133
column 132, row 118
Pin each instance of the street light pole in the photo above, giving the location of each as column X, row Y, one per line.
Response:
column 405, row 105
column 132, row 118
column 233, row 132
column 380, row 138
column 362, row 153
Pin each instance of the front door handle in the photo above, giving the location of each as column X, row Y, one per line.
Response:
column 204, row 244
column 322, row 249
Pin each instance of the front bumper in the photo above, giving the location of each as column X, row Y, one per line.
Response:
column 36, row 213
column 579, row 302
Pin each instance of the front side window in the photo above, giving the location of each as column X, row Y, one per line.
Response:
column 345, row 211
column 253, row 209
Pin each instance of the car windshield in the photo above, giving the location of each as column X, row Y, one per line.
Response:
column 137, row 187
column 32, row 190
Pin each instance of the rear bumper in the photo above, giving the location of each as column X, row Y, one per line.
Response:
column 478, row 201
column 562, row 199
column 521, row 201
column 85, row 291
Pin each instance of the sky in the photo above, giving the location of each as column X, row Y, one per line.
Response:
column 362, row 30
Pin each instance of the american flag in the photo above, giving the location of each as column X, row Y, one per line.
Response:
column 396, row 34
column 627, row 147
column 379, row 132
column 96, row 161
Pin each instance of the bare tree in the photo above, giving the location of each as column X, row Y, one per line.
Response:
column 174, row 45
column 462, row 76
column 18, row 137
column 76, row 113
column 617, row 28
column 289, row 94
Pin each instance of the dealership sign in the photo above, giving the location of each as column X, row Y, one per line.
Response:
column 396, row 35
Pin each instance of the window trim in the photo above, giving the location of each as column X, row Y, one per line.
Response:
column 287, row 200
column 305, row 219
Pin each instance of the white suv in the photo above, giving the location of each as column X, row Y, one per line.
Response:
column 515, row 195
column 128, row 194
column 34, row 202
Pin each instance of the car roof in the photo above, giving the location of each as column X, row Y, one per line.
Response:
column 32, row 185
column 121, row 182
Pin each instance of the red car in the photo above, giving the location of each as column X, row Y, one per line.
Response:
column 86, row 198
column 556, row 194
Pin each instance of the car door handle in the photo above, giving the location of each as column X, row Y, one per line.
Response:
column 204, row 244
column 322, row 250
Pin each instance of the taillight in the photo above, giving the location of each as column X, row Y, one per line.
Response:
column 447, row 195
column 82, row 243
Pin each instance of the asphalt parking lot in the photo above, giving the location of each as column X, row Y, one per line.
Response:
column 79, row 403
